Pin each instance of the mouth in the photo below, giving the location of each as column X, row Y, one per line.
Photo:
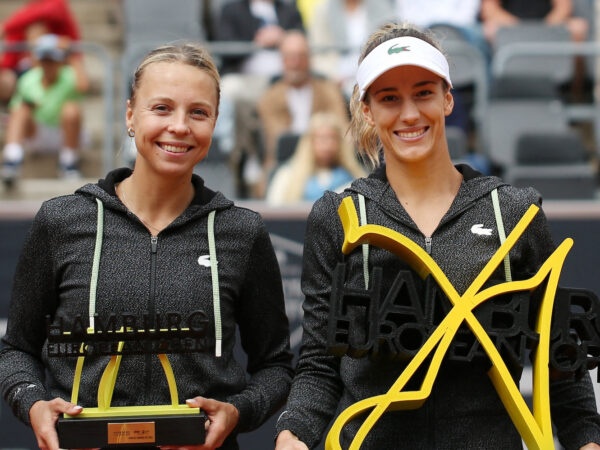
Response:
column 411, row 134
column 174, row 148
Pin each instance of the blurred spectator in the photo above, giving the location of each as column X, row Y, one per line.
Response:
column 288, row 104
column 244, row 76
column 34, row 18
column 45, row 113
column 262, row 23
column 462, row 15
column 342, row 26
column 324, row 159
column 504, row 13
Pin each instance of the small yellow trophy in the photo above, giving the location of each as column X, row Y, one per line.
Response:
column 126, row 426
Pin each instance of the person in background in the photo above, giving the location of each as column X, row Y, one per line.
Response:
column 45, row 111
column 462, row 15
column 497, row 14
column 324, row 159
column 403, row 94
column 504, row 13
column 341, row 26
column 261, row 24
column 289, row 103
column 162, row 231
column 27, row 23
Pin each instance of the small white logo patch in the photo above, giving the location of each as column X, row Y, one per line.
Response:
column 204, row 260
column 478, row 229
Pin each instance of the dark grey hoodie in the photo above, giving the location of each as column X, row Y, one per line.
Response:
column 142, row 275
column 463, row 411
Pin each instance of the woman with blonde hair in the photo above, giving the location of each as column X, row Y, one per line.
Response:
column 370, row 309
column 324, row 159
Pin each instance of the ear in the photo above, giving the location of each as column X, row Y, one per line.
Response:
column 129, row 115
column 448, row 103
column 368, row 114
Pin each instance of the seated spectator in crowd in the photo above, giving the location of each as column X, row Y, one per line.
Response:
column 324, row 159
column 462, row 15
column 45, row 112
column 496, row 14
column 262, row 23
column 244, row 76
column 342, row 26
column 34, row 18
column 504, row 13
column 289, row 103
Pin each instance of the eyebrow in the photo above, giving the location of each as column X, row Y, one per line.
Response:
column 416, row 85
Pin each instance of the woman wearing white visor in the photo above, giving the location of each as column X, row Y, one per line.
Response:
column 369, row 309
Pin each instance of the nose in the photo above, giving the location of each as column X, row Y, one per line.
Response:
column 409, row 112
column 179, row 124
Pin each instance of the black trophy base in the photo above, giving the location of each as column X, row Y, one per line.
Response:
column 131, row 432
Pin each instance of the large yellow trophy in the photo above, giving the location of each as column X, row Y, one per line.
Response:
column 535, row 427
column 126, row 426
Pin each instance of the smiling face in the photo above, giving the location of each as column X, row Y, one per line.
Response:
column 407, row 106
column 173, row 114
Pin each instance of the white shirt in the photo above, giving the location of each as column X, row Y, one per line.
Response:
column 424, row 13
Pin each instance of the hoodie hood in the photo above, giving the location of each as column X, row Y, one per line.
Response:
column 204, row 201
column 376, row 188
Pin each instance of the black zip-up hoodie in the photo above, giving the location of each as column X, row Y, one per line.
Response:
column 138, row 275
column 463, row 411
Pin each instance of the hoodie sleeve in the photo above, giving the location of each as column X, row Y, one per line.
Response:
column 307, row 416
column 267, row 347
column 33, row 297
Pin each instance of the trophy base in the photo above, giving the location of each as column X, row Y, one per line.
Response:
column 130, row 432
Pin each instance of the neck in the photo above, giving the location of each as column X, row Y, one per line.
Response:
column 155, row 204
column 420, row 182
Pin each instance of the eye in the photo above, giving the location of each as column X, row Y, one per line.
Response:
column 160, row 108
column 387, row 98
column 200, row 113
column 424, row 93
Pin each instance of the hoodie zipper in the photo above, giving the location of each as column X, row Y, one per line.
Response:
column 151, row 306
column 428, row 244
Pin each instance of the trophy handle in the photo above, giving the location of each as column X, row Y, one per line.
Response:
column 109, row 378
column 168, row 370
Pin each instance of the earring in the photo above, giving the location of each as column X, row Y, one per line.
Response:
column 130, row 132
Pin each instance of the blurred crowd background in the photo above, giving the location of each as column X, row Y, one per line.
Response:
column 524, row 75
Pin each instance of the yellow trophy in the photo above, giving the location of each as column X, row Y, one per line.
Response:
column 115, row 426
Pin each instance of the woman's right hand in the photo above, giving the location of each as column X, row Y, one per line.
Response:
column 44, row 415
column 286, row 440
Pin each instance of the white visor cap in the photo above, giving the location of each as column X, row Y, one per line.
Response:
column 400, row 51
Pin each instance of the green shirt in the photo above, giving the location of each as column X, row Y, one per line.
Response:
column 47, row 101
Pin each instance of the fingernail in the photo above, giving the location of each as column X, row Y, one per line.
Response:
column 78, row 408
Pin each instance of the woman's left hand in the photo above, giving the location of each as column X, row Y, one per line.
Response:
column 222, row 419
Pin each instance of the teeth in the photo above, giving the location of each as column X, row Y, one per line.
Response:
column 174, row 148
column 412, row 134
